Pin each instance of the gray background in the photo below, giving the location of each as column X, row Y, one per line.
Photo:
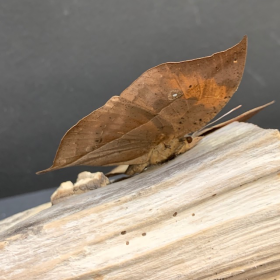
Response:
column 60, row 60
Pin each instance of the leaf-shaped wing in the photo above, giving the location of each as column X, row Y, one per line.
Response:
column 166, row 102
column 102, row 126
column 190, row 93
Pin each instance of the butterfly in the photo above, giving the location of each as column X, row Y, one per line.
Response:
column 149, row 122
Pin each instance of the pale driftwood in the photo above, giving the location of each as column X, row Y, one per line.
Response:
column 211, row 213
column 15, row 219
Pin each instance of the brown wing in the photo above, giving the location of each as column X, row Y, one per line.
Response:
column 104, row 125
column 241, row 118
column 167, row 101
column 190, row 93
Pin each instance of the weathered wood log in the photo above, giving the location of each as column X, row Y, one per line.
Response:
column 211, row 213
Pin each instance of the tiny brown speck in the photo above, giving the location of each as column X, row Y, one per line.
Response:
column 144, row 234
column 193, row 214
column 214, row 194
column 127, row 243
column 175, row 214
column 189, row 139
column 123, row 232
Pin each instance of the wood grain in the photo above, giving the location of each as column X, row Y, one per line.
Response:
column 211, row 213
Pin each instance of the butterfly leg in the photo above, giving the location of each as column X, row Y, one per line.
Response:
column 136, row 168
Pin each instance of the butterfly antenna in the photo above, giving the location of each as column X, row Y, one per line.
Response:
column 232, row 110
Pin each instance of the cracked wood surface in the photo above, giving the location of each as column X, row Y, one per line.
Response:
column 211, row 213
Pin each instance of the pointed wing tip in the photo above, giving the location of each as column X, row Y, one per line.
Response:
column 267, row 104
column 244, row 39
column 243, row 43
column 45, row 171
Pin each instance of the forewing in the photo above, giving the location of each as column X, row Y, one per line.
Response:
column 190, row 93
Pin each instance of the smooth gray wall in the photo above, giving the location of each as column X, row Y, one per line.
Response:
column 60, row 60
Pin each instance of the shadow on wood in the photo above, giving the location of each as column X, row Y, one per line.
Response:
column 211, row 213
